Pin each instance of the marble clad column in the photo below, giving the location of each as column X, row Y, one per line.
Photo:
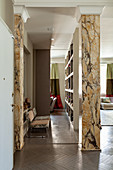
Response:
column 90, row 29
column 20, row 17
column 18, row 81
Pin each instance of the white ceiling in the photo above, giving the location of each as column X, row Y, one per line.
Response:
column 47, row 23
column 59, row 23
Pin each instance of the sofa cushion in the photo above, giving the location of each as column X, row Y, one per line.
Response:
column 42, row 118
column 40, row 124
column 106, row 106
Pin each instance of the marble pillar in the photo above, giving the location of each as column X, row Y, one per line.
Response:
column 90, row 27
column 18, row 82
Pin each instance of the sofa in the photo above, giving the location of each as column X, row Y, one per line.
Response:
column 106, row 103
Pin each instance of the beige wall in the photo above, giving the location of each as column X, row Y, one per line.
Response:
column 43, row 82
column 34, row 77
column 6, row 13
column 28, row 67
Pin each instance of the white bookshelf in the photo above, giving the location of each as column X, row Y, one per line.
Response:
column 72, row 81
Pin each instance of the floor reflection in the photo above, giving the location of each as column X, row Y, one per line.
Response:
column 59, row 151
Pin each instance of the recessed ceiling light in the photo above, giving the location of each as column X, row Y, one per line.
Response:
column 52, row 39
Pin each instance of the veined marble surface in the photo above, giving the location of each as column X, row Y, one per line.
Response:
column 90, row 82
column 18, row 81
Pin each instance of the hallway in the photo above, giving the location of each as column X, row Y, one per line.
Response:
column 59, row 151
column 77, row 37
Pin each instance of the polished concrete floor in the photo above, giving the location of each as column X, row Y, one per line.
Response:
column 59, row 151
column 106, row 117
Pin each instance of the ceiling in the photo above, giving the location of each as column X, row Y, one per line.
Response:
column 59, row 23
column 51, row 28
column 61, row 3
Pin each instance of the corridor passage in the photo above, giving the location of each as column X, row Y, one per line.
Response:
column 60, row 152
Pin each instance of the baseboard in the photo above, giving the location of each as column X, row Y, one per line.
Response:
column 59, row 110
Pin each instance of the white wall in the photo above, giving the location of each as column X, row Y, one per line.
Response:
column 29, row 67
column 106, row 37
column 6, row 85
column 6, row 13
column 58, row 60
column 6, row 99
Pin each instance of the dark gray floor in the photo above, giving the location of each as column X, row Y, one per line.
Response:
column 48, row 154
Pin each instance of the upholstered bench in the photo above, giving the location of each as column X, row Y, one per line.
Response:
column 37, row 125
column 38, row 122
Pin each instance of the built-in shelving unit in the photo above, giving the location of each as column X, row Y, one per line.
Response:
column 71, row 81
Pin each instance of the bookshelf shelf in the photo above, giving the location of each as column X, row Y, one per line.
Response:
column 71, row 74
column 69, row 90
column 69, row 62
column 70, row 105
column 69, row 82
